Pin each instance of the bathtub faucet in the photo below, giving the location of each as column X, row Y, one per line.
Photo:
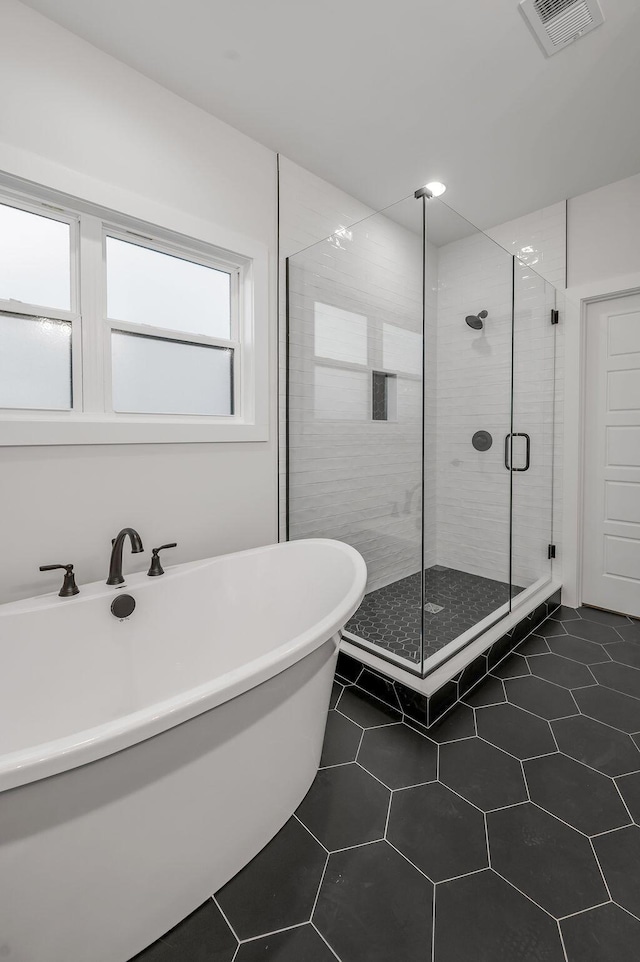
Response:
column 115, row 565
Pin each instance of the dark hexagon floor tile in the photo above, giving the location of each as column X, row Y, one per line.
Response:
column 481, row 918
column 290, row 946
column 344, row 806
column 438, row 831
column 548, row 861
column 512, row 667
column 458, row 723
column 605, row 934
column 278, row 887
column 630, row 632
column 533, row 645
column 597, row 745
column 578, row 649
column 551, row 628
column 490, row 691
column 399, row 756
column 365, row 710
column 602, row 617
column 540, row 697
column 203, row 936
column 515, row 731
column 373, row 905
column 629, row 786
column 482, row 774
column 341, row 740
column 560, row 671
column 592, row 631
column 565, row 614
column 579, row 796
column 619, row 855
column 625, row 653
column 621, row 678
column 610, row 707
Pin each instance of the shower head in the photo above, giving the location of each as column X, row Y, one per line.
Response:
column 476, row 321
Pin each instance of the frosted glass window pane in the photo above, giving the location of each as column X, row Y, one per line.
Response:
column 401, row 349
column 341, row 395
column 35, row 363
column 151, row 375
column 147, row 287
column 340, row 335
column 35, row 259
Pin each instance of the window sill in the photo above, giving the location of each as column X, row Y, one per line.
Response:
column 59, row 430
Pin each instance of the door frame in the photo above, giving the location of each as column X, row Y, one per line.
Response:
column 578, row 300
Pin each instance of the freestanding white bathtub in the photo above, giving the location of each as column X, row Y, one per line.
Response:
column 143, row 762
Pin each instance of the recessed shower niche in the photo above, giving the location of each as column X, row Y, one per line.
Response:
column 415, row 318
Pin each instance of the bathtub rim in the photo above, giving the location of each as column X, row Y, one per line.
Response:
column 80, row 748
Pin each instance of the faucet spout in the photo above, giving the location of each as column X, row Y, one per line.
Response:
column 115, row 564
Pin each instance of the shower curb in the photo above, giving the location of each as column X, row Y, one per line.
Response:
column 426, row 710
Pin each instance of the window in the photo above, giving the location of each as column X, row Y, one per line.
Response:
column 112, row 330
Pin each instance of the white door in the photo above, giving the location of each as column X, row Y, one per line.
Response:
column 611, row 561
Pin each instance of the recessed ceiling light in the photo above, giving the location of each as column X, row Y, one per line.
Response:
column 436, row 188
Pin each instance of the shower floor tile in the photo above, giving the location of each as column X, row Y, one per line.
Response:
column 443, row 845
column 454, row 601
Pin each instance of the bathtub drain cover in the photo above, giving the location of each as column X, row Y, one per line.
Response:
column 433, row 609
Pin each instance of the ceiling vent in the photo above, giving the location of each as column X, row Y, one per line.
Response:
column 557, row 23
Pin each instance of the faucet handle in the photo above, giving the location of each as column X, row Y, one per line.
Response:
column 69, row 586
column 156, row 568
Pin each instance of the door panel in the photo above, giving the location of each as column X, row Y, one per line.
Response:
column 611, row 561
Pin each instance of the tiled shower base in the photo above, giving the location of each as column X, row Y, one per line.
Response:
column 454, row 602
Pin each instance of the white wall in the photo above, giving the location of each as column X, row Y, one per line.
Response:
column 81, row 122
column 603, row 260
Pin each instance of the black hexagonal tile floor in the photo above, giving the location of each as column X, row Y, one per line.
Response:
column 584, row 799
column 544, row 858
column 611, row 707
column 560, row 671
column 345, row 806
column 481, row 773
column 565, row 614
column 597, row 745
column 488, row 692
column 578, row 649
column 605, row 934
column 592, row 631
column 278, row 887
column 622, row 678
column 602, row 617
column 336, row 691
column 630, row 632
column 365, row 710
column 512, row 667
column 515, row 731
column 203, row 936
column 399, row 756
column 458, row 723
column 629, row 786
column 290, row 946
column 481, row 918
column 540, row 697
column 625, row 653
column 619, row 856
column 551, row 628
column 438, row 831
column 533, row 645
column 373, row 905
column 341, row 740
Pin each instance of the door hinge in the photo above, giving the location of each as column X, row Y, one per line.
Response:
column 555, row 316
column 551, row 552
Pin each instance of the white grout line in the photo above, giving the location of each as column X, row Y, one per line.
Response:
column 350, row 848
column 320, row 883
column 266, row 935
column 455, row 878
column 222, row 913
column 331, row 949
column 306, row 828
column 604, row 878
column 563, row 946
column 424, row 874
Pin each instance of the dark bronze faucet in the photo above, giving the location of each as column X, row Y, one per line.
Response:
column 115, row 565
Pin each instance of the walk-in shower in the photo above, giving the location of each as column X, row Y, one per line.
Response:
column 428, row 450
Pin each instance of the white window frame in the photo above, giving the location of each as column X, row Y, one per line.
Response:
column 92, row 419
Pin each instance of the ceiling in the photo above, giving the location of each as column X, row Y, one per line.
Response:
column 380, row 96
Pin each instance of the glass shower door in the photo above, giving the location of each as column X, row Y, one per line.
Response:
column 529, row 448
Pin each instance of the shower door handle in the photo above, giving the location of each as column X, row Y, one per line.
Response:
column 508, row 447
